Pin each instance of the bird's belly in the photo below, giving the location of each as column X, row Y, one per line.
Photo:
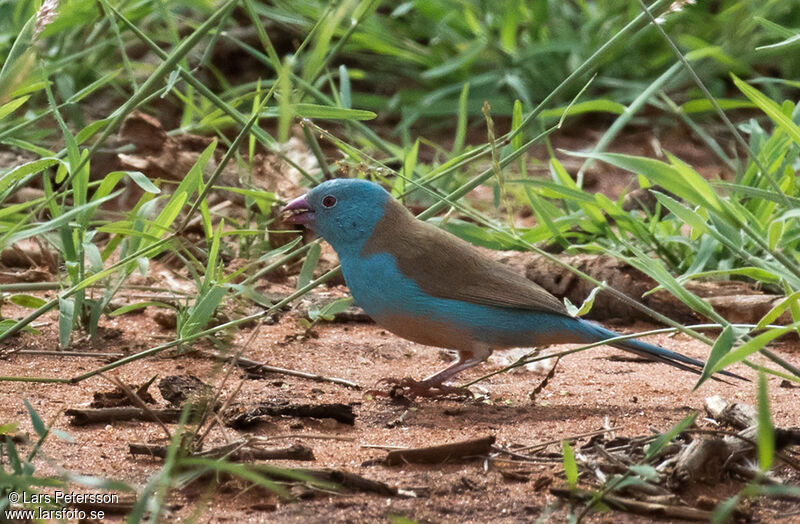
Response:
column 427, row 331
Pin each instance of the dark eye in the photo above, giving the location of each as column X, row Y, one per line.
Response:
column 329, row 201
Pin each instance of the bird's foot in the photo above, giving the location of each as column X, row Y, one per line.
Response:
column 410, row 388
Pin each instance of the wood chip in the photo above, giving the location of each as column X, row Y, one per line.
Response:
column 735, row 414
column 442, row 453
column 177, row 389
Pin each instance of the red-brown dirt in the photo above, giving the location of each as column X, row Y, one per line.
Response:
column 588, row 392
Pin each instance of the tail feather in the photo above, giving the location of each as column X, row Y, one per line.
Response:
column 655, row 352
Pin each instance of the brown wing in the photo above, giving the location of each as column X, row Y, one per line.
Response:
column 445, row 266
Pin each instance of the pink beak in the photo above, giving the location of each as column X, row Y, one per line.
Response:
column 299, row 212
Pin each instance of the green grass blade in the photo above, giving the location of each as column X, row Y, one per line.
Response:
column 570, row 465
column 766, row 433
column 676, row 178
column 345, row 90
column 152, row 84
column 309, row 265
column 666, row 438
column 66, row 317
column 36, row 421
column 202, row 311
column 752, row 345
column 722, row 346
column 769, row 107
column 58, row 222
column 463, row 120
column 29, row 168
column 778, row 310
column 19, row 58
column 27, row 301
column 318, row 112
column 9, row 107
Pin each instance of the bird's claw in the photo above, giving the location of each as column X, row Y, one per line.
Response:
column 410, row 388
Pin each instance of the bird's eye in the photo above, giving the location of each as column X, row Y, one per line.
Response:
column 329, row 201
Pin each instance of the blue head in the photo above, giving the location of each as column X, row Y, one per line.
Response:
column 342, row 211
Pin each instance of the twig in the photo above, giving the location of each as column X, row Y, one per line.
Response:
column 83, row 417
column 546, row 380
column 216, row 419
column 341, row 478
column 138, row 401
column 570, row 438
column 232, row 452
column 383, row 446
column 305, row 435
column 253, row 366
column 524, row 458
column 69, row 353
column 638, row 507
column 340, row 412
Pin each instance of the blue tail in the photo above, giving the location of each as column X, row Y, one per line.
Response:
column 652, row 352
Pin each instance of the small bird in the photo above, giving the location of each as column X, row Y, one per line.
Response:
column 431, row 287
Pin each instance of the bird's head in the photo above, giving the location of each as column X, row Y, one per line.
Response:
column 342, row 211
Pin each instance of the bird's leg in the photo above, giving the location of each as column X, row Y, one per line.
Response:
column 464, row 362
column 434, row 385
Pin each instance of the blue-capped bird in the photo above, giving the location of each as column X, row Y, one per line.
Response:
column 431, row 287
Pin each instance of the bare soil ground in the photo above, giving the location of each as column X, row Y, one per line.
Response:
column 588, row 392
